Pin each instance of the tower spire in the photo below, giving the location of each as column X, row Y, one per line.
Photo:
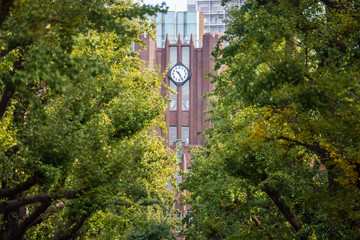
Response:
column 179, row 39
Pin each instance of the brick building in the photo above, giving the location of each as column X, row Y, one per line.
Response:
column 184, row 116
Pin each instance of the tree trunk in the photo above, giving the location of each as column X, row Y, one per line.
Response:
column 5, row 10
column 283, row 208
column 5, row 99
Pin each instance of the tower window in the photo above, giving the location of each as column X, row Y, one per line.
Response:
column 173, row 97
column 172, row 134
column 173, row 56
column 185, row 100
column 185, row 134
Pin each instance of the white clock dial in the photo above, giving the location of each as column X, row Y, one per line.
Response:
column 179, row 73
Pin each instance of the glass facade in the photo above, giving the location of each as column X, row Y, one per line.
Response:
column 191, row 17
column 186, row 56
column 172, row 134
column 185, row 134
column 170, row 17
column 214, row 13
column 191, row 28
column 181, row 29
column 185, row 100
column 180, row 152
column 175, row 23
column 191, row 7
column 173, row 56
column 173, row 97
column 181, row 17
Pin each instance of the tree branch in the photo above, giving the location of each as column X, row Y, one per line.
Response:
column 6, row 98
column 9, row 89
column 337, row 102
column 319, row 151
column 71, row 227
column 258, row 224
column 5, row 10
column 51, row 20
column 28, row 222
column 334, row 4
column 31, row 181
column 323, row 155
column 342, row 47
column 49, row 212
column 10, row 205
column 284, row 209
column 12, row 150
column 14, row 46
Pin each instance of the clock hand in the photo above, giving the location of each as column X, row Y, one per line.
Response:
column 180, row 75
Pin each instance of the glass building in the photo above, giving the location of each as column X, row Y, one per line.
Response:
column 174, row 23
column 214, row 13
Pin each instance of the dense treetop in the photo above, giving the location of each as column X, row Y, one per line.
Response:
column 281, row 160
column 78, row 156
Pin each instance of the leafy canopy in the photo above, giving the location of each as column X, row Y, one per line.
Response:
column 77, row 114
column 281, row 159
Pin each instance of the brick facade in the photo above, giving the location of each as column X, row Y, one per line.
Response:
column 201, row 62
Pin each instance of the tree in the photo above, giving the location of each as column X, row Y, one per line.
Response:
column 77, row 111
column 284, row 126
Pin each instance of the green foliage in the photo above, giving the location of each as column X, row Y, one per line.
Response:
column 77, row 114
column 281, row 159
column 136, row 222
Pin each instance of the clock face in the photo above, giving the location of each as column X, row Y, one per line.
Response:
column 179, row 74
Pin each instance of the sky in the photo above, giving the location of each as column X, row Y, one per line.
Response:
column 178, row 5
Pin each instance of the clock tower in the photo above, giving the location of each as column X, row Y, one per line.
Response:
column 187, row 77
